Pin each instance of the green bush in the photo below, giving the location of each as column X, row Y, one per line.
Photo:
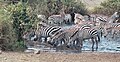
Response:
column 7, row 35
column 14, row 20
column 77, row 7
column 50, row 7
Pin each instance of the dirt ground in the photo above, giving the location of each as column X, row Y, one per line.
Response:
column 59, row 57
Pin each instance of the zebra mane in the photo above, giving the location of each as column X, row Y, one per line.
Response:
column 74, row 33
column 102, row 19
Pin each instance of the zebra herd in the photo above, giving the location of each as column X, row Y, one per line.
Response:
column 74, row 36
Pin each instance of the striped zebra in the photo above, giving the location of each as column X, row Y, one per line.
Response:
column 110, row 19
column 109, row 28
column 42, row 18
column 56, row 20
column 45, row 33
column 90, row 33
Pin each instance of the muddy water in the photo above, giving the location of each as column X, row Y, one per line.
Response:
column 105, row 45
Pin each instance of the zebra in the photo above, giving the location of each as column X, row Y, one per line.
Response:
column 56, row 19
column 47, row 32
column 111, row 28
column 91, row 33
column 86, row 19
column 108, row 27
column 78, row 18
column 105, row 19
column 43, row 33
column 42, row 18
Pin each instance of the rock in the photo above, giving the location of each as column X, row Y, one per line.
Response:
column 5, row 58
column 37, row 52
column 0, row 51
column 29, row 51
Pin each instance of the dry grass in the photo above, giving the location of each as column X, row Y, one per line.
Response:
column 90, row 4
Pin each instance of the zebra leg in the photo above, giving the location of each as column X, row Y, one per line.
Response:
column 96, row 43
column 78, row 45
column 113, row 34
column 105, row 33
column 42, row 40
column 93, row 42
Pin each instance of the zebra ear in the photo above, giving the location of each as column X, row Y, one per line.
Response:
column 118, row 13
column 42, row 24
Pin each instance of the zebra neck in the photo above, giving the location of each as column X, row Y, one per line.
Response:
column 112, row 18
column 72, row 17
column 74, row 33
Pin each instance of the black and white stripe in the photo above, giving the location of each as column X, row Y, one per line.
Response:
column 48, row 31
column 91, row 33
column 64, row 37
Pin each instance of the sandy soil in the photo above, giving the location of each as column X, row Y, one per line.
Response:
column 59, row 57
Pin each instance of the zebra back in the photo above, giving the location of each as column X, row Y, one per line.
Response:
column 50, row 31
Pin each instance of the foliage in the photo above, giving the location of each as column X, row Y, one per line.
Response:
column 50, row 7
column 77, row 7
column 108, row 7
column 14, row 20
column 7, row 35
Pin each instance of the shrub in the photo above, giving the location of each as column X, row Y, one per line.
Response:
column 14, row 20
column 7, row 35
column 50, row 7
column 108, row 7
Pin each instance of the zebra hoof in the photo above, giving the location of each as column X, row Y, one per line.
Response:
column 68, row 46
column 105, row 36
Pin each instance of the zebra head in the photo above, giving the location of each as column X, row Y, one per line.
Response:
column 30, row 36
column 78, row 18
column 42, row 18
column 116, row 15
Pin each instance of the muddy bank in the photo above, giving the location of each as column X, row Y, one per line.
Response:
column 59, row 57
